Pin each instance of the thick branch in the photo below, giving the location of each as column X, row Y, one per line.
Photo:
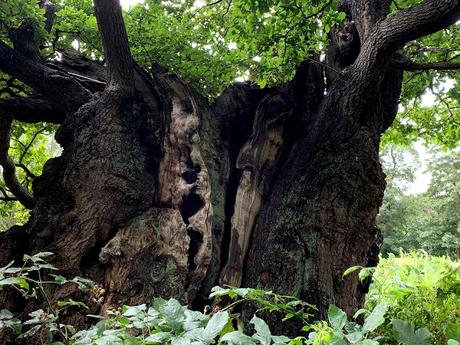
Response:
column 392, row 33
column 420, row 20
column 30, row 109
column 50, row 13
column 9, row 169
column 64, row 91
column 115, row 42
column 409, row 65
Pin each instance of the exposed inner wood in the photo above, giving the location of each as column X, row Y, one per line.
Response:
column 184, row 183
column 258, row 161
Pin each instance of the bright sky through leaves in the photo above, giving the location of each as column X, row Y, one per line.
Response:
column 127, row 3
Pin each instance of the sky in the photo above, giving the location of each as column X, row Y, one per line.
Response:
column 127, row 3
column 422, row 180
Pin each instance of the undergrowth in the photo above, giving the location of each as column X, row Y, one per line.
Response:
column 412, row 301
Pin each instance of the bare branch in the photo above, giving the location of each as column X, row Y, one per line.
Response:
column 409, row 65
column 9, row 169
column 6, row 197
column 47, row 81
column 50, row 11
column 30, row 109
column 29, row 173
column 427, row 17
column 29, row 145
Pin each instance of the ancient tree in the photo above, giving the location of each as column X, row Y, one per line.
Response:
column 160, row 192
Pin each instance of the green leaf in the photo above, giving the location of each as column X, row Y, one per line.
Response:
column 71, row 302
column 280, row 339
column 360, row 312
column 9, row 281
column 110, row 339
column 237, row 338
column 263, row 334
column 354, row 337
column 366, row 272
column 452, row 342
column 160, row 337
column 137, row 310
column 5, row 314
column 337, row 317
column 404, row 332
column 453, row 332
column 215, row 325
column 376, row 318
column 369, row 342
column 58, row 279
column 23, row 283
column 30, row 332
column 180, row 341
column 351, row 270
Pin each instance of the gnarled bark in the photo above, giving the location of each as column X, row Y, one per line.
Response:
column 158, row 192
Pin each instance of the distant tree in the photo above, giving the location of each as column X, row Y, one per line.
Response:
column 428, row 221
column 442, row 235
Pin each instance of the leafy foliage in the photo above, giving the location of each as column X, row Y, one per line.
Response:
column 29, row 281
column 31, row 146
column 422, row 290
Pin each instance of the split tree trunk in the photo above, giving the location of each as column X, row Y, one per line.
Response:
column 158, row 192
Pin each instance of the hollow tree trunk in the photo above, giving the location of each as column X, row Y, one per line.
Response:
column 158, row 192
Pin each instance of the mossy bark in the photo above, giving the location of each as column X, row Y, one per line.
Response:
column 159, row 193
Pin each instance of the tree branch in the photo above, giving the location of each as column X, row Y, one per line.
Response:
column 120, row 66
column 425, row 18
column 29, row 173
column 29, row 145
column 9, row 169
column 409, row 65
column 392, row 33
column 6, row 197
column 30, row 110
column 64, row 91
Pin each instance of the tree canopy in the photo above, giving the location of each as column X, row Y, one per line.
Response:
column 210, row 44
